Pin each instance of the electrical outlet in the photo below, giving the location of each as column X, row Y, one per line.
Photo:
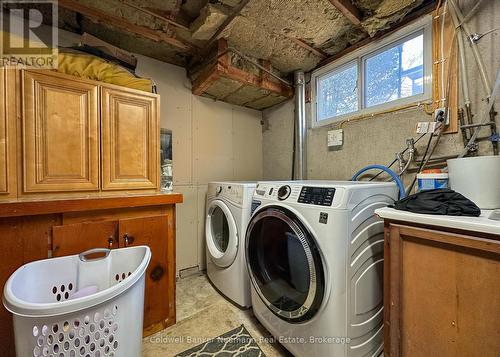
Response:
column 335, row 138
column 439, row 112
column 425, row 127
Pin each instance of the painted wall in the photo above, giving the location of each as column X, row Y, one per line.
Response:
column 378, row 138
column 212, row 141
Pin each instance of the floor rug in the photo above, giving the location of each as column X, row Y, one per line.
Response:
column 235, row 343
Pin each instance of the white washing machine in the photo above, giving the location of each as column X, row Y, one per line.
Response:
column 228, row 211
column 315, row 259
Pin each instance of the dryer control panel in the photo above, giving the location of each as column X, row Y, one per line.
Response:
column 322, row 196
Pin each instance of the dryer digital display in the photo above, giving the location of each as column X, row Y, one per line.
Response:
column 317, row 195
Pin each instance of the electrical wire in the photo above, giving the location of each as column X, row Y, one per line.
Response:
column 395, row 160
column 408, row 191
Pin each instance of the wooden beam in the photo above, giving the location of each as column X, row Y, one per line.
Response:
column 381, row 34
column 118, row 22
column 350, row 11
column 308, row 47
column 228, row 20
column 154, row 14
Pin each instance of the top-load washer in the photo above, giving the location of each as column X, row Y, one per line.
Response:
column 315, row 259
column 228, row 211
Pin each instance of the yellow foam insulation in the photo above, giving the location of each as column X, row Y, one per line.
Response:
column 98, row 69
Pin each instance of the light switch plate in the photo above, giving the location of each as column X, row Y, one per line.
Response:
column 335, row 138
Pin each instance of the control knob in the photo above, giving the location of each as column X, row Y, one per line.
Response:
column 218, row 190
column 284, row 192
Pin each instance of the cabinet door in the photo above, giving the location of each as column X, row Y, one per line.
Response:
column 76, row 238
column 130, row 139
column 60, row 133
column 441, row 293
column 8, row 123
column 4, row 161
column 159, row 299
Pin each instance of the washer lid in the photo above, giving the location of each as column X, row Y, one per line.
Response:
column 221, row 234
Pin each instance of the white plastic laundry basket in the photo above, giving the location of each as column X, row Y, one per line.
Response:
column 52, row 318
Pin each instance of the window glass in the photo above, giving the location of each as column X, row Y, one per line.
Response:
column 395, row 73
column 279, row 263
column 220, row 229
column 338, row 92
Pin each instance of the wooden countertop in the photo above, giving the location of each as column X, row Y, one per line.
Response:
column 32, row 207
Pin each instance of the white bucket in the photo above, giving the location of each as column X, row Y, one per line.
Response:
column 478, row 179
column 51, row 320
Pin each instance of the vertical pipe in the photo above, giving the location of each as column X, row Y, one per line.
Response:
column 300, row 126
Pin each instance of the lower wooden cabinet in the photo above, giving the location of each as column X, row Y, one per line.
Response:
column 441, row 292
column 33, row 230
column 155, row 231
column 75, row 238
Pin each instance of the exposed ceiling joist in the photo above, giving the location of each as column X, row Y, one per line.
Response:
column 154, row 14
column 102, row 17
column 381, row 34
column 308, row 47
column 237, row 9
column 350, row 11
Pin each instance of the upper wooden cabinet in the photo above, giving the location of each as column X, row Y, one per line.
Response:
column 8, row 111
column 78, row 135
column 4, row 176
column 130, row 139
column 60, row 134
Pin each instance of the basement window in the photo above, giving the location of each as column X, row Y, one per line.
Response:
column 385, row 74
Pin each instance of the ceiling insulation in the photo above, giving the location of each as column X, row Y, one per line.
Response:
column 228, row 77
column 290, row 34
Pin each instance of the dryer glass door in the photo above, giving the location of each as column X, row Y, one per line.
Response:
column 284, row 264
column 221, row 234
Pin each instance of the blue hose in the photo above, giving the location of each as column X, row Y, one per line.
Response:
column 395, row 177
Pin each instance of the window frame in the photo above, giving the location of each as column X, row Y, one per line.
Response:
column 420, row 26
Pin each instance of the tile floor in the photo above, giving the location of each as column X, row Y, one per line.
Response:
column 202, row 313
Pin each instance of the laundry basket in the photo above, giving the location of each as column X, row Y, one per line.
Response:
column 77, row 306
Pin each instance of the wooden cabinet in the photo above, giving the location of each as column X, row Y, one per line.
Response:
column 8, row 106
column 441, row 292
column 124, row 228
column 60, row 134
column 32, row 230
column 73, row 135
column 130, row 139
column 153, row 232
column 79, row 237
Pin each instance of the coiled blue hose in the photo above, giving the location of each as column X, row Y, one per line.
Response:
column 395, row 177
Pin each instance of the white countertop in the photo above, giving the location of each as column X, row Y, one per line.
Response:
column 475, row 224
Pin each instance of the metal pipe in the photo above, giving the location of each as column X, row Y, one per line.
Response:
column 485, row 116
column 491, row 123
column 300, row 127
column 480, row 64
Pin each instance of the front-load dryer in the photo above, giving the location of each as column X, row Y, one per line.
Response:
column 315, row 260
column 228, row 211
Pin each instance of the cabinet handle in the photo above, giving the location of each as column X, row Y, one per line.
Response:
column 128, row 239
column 111, row 240
column 157, row 273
